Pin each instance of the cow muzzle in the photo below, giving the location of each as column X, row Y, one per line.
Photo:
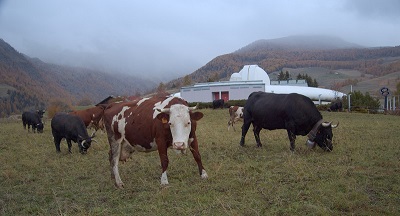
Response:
column 179, row 146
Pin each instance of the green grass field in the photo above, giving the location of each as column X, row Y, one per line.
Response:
column 360, row 177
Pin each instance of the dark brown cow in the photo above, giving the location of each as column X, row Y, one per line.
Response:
column 151, row 124
column 235, row 113
column 92, row 117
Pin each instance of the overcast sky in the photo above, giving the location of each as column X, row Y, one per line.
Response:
column 160, row 38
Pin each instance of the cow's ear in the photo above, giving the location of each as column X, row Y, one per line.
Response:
column 163, row 117
column 196, row 116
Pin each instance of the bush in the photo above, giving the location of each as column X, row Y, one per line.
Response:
column 56, row 105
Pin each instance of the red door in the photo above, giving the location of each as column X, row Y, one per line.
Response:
column 225, row 96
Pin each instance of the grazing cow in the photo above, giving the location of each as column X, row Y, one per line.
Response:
column 70, row 127
column 235, row 113
column 336, row 106
column 32, row 119
column 218, row 103
column 92, row 117
column 294, row 112
column 151, row 124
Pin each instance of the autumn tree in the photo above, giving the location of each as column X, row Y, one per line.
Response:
column 187, row 80
column 57, row 105
column 161, row 88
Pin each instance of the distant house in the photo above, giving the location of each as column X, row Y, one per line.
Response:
column 229, row 90
column 250, row 79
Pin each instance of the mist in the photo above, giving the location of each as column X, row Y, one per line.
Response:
column 168, row 39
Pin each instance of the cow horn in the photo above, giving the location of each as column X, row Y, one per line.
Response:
column 93, row 140
column 334, row 126
column 195, row 107
column 326, row 124
column 83, row 142
column 164, row 110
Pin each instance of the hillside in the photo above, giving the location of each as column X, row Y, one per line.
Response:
column 28, row 83
column 334, row 63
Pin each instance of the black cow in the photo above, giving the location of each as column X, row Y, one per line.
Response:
column 70, row 127
column 336, row 106
column 294, row 112
column 218, row 103
column 34, row 120
column 40, row 112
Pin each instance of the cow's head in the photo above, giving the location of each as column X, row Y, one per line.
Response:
column 322, row 135
column 40, row 112
column 179, row 118
column 84, row 144
column 39, row 127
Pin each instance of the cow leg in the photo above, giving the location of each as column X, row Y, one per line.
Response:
column 196, row 155
column 256, row 131
column 114, row 155
column 162, row 152
column 23, row 123
column 57, row 142
column 69, row 145
column 292, row 139
column 245, row 128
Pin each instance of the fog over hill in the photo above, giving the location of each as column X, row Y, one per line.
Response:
column 299, row 42
column 30, row 82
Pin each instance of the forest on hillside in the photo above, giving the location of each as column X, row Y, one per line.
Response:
column 29, row 83
column 372, row 61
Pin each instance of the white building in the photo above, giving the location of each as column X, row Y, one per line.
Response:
column 250, row 79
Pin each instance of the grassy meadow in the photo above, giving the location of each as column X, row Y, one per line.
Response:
column 360, row 177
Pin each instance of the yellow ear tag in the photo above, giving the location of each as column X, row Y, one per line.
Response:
column 164, row 120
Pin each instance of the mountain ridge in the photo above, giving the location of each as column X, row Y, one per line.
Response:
column 275, row 55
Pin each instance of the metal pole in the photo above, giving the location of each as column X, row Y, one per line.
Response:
column 349, row 103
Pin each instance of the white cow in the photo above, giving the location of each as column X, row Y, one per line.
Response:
column 235, row 113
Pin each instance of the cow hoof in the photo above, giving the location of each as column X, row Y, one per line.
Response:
column 241, row 144
column 204, row 174
column 119, row 185
column 259, row 145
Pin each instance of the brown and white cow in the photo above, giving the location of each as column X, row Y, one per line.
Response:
column 235, row 113
column 151, row 124
column 92, row 117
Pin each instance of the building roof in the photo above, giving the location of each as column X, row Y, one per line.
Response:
column 251, row 72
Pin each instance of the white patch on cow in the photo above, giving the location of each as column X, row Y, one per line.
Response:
column 154, row 145
column 204, row 174
column 164, row 178
column 121, row 122
column 141, row 101
column 161, row 105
